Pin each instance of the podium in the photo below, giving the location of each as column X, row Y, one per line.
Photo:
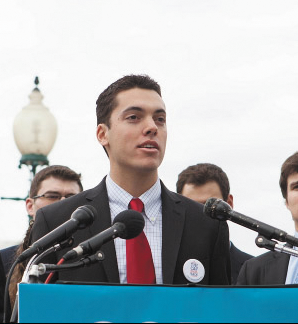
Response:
column 160, row 304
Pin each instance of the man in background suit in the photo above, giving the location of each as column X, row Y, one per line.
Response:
column 275, row 268
column 49, row 185
column 132, row 128
column 203, row 181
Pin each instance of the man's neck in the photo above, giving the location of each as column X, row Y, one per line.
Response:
column 135, row 183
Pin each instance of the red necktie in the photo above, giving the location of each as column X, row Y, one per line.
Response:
column 139, row 262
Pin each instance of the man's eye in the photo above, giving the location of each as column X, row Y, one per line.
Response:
column 161, row 120
column 133, row 117
column 54, row 197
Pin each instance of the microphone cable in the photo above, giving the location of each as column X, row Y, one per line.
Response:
column 50, row 276
column 7, row 305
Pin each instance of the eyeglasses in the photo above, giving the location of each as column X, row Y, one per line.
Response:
column 53, row 196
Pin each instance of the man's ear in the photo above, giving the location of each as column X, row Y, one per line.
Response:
column 102, row 134
column 231, row 201
column 29, row 206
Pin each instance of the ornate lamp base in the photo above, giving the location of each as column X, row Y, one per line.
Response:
column 33, row 160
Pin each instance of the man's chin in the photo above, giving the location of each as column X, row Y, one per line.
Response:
column 147, row 167
column 141, row 165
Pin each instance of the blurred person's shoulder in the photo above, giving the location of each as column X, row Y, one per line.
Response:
column 8, row 257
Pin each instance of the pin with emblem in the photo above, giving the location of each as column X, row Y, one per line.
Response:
column 194, row 271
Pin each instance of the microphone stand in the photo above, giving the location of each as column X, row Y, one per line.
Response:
column 34, row 271
column 85, row 262
column 31, row 272
column 271, row 245
column 13, row 316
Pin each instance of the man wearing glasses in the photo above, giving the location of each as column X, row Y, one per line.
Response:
column 50, row 185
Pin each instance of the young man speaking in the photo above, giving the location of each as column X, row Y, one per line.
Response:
column 132, row 128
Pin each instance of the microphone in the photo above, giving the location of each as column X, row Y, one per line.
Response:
column 127, row 225
column 271, row 245
column 222, row 211
column 81, row 218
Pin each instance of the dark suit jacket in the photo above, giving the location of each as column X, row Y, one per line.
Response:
column 238, row 258
column 187, row 234
column 2, row 289
column 268, row 269
column 8, row 257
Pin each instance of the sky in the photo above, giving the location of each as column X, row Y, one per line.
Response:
column 229, row 77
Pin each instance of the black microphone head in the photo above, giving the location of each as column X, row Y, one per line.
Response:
column 134, row 224
column 217, row 209
column 84, row 215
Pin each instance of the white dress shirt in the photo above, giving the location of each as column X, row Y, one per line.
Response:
column 119, row 201
column 292, row 276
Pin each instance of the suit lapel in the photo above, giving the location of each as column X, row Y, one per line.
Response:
column 173, row 218
column 100, row 201
column 278, row 271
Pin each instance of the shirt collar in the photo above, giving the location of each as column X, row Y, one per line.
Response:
column 151, row 198
column 152, row 202
column 117, row 195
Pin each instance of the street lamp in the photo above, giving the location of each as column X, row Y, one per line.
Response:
column 35, row 132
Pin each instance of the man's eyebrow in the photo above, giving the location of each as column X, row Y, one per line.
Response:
column 293, row 184
column 52, row 192
column 132, row 109
column 158, row 111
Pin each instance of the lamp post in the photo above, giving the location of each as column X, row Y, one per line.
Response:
column 35, row 132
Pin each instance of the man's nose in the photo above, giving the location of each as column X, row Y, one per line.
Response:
column 151, row 128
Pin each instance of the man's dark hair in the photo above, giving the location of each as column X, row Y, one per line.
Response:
column 201, row 174
column 55, row 171
column 289, row 167
column 107, row 102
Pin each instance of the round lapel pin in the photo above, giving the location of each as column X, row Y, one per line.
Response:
column 194, row 271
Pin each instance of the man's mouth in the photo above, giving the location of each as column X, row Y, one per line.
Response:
column 151, row 145
column 148, row 146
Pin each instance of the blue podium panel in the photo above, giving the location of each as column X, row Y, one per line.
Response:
column 161, row 304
